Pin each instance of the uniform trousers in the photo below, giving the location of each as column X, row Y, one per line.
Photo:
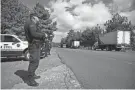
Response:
column 34, row 50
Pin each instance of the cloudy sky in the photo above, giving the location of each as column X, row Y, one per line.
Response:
column 79, row 14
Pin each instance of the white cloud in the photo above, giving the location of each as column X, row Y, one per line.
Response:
column 57, row 39
column 82, row 16
column 125, row 6
column 59, row 35
column 63, row 34
column 130, row 16
column 72, row 14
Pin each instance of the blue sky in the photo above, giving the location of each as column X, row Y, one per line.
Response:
column 73, row 14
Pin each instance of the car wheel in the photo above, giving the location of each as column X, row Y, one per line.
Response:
column 27, row 55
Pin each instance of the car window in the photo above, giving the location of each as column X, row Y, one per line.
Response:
column 8, row 39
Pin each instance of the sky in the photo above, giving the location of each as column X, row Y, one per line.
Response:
column 80, row 14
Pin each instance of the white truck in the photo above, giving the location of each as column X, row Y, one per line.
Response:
column 75, row 44
column 115, row 40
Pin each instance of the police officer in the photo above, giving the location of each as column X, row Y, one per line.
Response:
column 43, row 47
column 34, row 37
column 50, row 46
column 47, row 47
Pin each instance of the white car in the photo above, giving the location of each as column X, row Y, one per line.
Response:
column 12, row 46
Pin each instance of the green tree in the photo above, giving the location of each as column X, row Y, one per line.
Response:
column 90, row 35
column 118, row 23
column 13, row 16
column 46, row 25
column 133, row 39
column 70, row 38
column 87, row 38
column 77, row 36
column 63, row 41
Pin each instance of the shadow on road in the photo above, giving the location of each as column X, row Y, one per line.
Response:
column 23, row 75
column 11, row 59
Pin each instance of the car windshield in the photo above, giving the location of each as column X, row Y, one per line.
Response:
column 21, row 38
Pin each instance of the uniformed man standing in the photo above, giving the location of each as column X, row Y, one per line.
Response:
column 34, row 37
column 50, row 46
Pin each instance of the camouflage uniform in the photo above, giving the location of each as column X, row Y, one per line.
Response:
column 34, row 38
column 50, row 46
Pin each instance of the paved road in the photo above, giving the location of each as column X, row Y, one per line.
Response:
column 101, row 69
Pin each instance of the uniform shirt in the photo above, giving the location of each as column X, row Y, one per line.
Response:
column 32, row 32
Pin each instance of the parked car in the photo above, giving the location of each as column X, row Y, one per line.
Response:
column 12, row 46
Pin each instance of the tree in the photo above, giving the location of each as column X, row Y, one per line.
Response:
column 88, row 37
column 13, row 16
column 70, row 38
column 46, row 24
column 133, row 39
column 77, row 36
column 63, row 41
column 118, row 23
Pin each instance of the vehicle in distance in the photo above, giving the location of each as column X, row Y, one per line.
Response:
column 75, row 44
column 115, row 40
column 63, row 46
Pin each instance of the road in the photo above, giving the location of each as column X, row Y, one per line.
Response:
column 101, row 69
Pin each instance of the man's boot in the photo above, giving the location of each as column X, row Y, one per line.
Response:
column 36, row 77
column 32, row 82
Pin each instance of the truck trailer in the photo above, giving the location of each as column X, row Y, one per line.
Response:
column 75, row 44
column 63, row 46
column 115, row 40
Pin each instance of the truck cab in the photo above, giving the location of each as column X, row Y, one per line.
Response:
column 75, row 44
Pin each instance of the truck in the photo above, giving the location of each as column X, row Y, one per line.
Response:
column 63, row 45
column 75, row 44
column 115, row 40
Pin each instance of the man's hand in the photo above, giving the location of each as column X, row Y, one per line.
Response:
column 45, row 37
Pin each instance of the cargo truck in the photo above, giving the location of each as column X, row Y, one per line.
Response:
column 115, row 40
column 75, row 44
column 63, row 45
